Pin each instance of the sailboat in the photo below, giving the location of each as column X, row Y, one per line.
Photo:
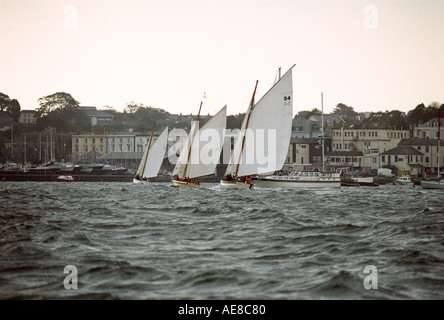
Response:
column 268, row 121
column 199, row 159
column 305, row 178
column 438, row 183
column 152, row 157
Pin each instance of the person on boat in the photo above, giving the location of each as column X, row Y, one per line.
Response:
column 177, row 178
column 248, row 180
column 229, row 177
column 187, row 180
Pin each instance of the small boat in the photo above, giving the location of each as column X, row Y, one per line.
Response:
column 269, row 122
column 403, row 180
column 65, row 179
column 359, row 182
column 194, row 160
column 152, row 158
column 238, row 184
column 186, row 183
column 432, row 184
column 301, row 179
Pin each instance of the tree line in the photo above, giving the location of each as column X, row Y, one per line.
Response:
column 61, row 111
column 393, row 119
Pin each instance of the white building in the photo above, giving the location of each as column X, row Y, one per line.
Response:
column 428, row 130
column 370, row 141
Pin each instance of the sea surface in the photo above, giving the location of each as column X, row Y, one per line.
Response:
column 153, row 241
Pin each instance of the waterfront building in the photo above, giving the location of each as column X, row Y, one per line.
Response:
column 371, row 140
column 27, row 116
column 428, row 130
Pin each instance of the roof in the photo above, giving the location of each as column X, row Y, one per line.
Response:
column 122, row 156
column 327, row 117
column 93, row 112
column 344, row 153
column 403, row 150
column 304, row 140
column 420, row 142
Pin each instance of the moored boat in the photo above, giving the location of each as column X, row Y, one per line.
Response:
column 432, row 184
column 65, row 179
column 300, row 179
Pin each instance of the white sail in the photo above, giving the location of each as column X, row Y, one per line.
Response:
column 155, row 155
column 181, row 164
column 206, row 146
column 263, row 143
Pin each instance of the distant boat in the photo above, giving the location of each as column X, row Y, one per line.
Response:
column 273, row 112
column 403, row 180
column 190, row 166
column 152, row 158
column 430, row 184
column 301, row 179
column 65, row 179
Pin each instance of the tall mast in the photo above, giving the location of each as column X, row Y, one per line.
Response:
column 12, row 143
column 250, row 109
column 439, row 138
column 322, row 128
column 191, row 143
column 149, row 147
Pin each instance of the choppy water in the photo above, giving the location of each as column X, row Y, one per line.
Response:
column 131, row 241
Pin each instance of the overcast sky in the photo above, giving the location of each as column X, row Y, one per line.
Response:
column 374, row 55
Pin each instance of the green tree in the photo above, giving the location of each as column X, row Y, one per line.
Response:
column 60, row 110
column 14, row 109
column 12, row 106
column 345, row 111
column 417, row 115
column 57, row 101
column 4, row 101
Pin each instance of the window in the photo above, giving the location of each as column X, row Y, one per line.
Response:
column 383, row 158
column 427, row 159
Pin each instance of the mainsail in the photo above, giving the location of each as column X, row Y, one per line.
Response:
column 201, row 151
column 264, row 138
column 153, row 156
